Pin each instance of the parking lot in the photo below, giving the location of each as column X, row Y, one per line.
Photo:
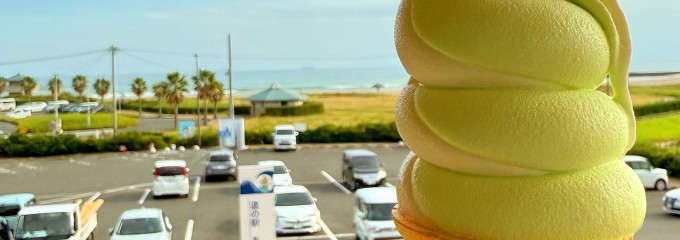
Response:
column 122, row 179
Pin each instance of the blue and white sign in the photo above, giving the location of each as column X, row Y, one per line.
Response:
column 231, row 133
column 186, row 129
column 256, row 202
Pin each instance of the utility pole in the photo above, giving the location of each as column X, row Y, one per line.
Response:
column 199, row 87
column 113, row 89
column 57, row 121
column 231, row 93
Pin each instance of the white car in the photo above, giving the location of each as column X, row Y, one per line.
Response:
column 19, row 113
column 373, row 213
column 143, row 223
column 285, row 137
column 656, row 178
column 52, row 105
column 281, row 172
column 671, row 201
column 171, row 177
column 296, row 210
column 34, row 106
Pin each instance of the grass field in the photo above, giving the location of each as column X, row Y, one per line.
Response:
column 73, row 121
column 339, row 109
column 658, row 129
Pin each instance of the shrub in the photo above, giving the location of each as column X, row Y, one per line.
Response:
column 666, row 158
column 308, row 108
column 20, row 145
column 656, row 108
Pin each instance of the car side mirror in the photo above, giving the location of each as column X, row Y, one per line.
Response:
column 288, row 170
column 110, row 231
column 273, row 134
column 314, row 199
column 188, row 169
column 296, row 133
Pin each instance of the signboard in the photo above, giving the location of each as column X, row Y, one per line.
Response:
column 232, row 133
column 186, row 129
column 256, row 202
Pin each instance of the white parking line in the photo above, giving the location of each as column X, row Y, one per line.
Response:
column 7, row 171
column 334, row 182
column 197, row 188
column 327, row 230
column 341, row 235
column 66, row 197
column 190, row 230
column 28, row 166
column 389, row 185
column 144, row 196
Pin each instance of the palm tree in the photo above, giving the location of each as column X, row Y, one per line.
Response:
column 215, row 94
column 177, row 87
column 159, row 91
column 378, row 86
column 3, row 82
column 202, row 84
column 55, row 87
column 29, row 85
column 80, row 85
column 101, row 86
column 138, row 88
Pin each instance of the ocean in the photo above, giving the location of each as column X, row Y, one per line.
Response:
column 305, row 80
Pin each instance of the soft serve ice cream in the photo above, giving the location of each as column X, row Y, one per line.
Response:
column 510, row 138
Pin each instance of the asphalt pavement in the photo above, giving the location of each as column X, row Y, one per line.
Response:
column 211, row 210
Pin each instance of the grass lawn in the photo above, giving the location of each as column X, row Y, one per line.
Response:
column 657, row 129
column 74, row 121
column 347, row 109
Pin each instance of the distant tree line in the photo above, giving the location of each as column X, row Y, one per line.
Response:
column 172, row 89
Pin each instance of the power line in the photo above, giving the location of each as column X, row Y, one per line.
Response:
column 160, row 65
column 52, row 58
column 176, row 54
column 89, row 65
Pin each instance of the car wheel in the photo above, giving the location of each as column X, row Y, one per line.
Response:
column 660, row 185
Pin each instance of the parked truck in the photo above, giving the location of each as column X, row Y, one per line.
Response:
column 70, row 221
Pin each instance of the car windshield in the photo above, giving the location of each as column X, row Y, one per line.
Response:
column 220, row 158
column 284, row 132
column 140, row 226
column 293, row 199
column 9, row 210
column 280, row 170
column 380, row 212
column 170, row 171
column 44, row 224
column 365, row 162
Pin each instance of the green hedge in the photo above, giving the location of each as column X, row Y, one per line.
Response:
column 153, row 107
column 656, row 108
column 18, row 145
column 308, row 108
column 666, row 158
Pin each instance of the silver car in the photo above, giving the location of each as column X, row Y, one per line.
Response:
column 143, row 223
column 221, row 164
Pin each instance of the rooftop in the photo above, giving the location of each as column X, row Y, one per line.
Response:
column 275, row 94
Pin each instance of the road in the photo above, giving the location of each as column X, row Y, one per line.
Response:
column 123, row 180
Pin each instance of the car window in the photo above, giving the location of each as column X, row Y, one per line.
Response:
column 284, row 132
column 645, row 165
column 140, row 226
column 220, row 158
column 293, row 199
column 365, row 162
column 9, row 210
column 379, row 212
column 170, row 171
column 280, row 170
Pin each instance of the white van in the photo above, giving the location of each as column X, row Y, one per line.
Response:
column 285, row 137
column 8, row 104
column 373, row 213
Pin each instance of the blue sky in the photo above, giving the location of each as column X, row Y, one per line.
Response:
column 266, row 34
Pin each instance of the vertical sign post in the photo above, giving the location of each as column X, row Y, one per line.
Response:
column 256, row 202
